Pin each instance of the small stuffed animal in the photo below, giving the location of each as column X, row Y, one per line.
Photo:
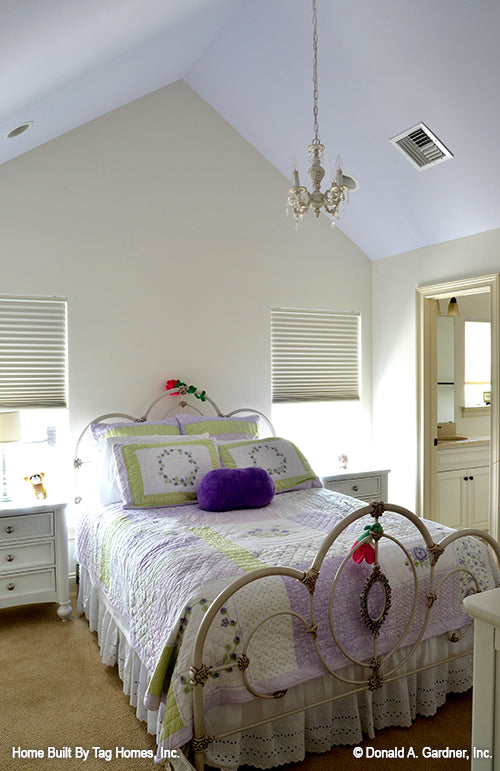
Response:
column 36, row 480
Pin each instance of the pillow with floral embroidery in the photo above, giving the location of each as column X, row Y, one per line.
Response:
column 283, row 461
column 163, row 473
column 108, row 487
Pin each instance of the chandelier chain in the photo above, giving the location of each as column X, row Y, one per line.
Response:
column 316, row 140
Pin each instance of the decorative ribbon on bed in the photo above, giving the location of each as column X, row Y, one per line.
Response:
column 184, row 389
column 365, row 550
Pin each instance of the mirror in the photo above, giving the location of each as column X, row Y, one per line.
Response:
column 445, row 369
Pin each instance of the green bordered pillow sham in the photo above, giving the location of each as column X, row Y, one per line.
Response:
column 283, row 461
column 246, row 427
column 108, row 488
column 167, row 427
column 163, row 473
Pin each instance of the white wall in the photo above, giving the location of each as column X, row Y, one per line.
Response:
column 166, row 231
column 395, row 280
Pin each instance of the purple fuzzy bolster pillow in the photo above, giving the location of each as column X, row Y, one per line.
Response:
column 241, row 488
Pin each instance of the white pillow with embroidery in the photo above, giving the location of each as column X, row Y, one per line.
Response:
column 283, row 461
column 163, row 473
column 109, row 490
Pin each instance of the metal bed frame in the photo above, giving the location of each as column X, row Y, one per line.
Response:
column 378, row 669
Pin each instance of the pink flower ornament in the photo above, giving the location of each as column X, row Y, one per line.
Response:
column 172, row 384
column 364, row 552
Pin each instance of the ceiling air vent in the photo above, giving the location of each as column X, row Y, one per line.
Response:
column 421, row 147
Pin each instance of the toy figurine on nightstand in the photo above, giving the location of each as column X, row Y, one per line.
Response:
column 36, row 481
column 343, row 460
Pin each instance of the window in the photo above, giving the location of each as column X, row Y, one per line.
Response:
column 315, row 355
column 477, row 363
column 315, row 358
column 33, row 352
column 33, row 380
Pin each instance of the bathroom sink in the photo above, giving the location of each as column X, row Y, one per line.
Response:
column 452, row 438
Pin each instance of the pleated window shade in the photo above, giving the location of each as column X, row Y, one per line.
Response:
column 315, row 355
column 33, row 353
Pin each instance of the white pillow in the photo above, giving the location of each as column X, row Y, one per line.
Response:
column 108, row 487
column 283, row 461
column 163, row 473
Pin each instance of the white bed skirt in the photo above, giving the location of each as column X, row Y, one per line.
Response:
column 286, row 740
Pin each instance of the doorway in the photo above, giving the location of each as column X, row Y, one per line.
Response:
column 427, row 389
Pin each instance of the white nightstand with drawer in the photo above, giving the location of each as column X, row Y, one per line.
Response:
column 368, row 486
column 34, row 555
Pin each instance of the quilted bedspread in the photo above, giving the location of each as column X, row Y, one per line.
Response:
column 160, row 569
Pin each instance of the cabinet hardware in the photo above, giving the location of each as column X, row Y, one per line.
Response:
column 465, row 479
column 11, row 587
column 355, row 488
column 10, row 558
column 471, row 478
column 9, row 529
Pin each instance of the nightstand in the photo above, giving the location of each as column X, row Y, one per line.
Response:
column 368, row 486
column 483, row 607
column 34, row 555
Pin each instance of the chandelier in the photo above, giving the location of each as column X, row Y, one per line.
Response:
column 300, row 200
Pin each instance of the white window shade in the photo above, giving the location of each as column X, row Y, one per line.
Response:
column 315, row 355
column 33, row 353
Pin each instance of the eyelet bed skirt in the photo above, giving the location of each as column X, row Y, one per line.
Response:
column 286, row 740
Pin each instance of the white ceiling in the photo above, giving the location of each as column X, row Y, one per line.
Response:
column 384, row 66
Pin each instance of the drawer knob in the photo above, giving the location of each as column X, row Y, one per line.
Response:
column 355, row 488
column 11, row 587
column 10, row 558
column 9, row 529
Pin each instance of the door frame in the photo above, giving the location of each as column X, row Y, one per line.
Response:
column 426, row 307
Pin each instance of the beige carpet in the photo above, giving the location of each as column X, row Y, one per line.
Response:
column 56, row 693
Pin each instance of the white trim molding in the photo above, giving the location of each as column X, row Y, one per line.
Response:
column 426, row 377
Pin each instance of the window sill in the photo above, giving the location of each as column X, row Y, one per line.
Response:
column 472, row 412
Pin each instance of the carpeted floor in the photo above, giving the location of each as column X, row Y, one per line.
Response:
column 56, row 693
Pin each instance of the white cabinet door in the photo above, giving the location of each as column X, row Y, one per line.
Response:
column 479, row 496
column 463, row 497
column 450, row 495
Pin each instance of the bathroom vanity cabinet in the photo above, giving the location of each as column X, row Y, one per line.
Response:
column 463, row 485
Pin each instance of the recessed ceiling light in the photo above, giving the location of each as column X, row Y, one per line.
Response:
column 19, row 129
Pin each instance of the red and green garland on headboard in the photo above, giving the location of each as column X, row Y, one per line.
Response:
column 185, row 389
